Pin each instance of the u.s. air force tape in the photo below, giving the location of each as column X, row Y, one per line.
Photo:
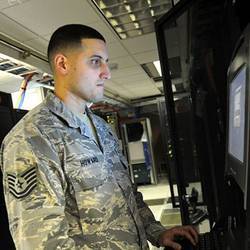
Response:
column 22, row 184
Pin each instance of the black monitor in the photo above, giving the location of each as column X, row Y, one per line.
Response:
column 237, row 174
column 237, row 127
column 237, row 155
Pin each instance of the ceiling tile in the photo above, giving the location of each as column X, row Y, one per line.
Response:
column 38, row 44
column 118, row 90
column 123, row 62
column 141, row 43
column 140, row 92
column 14, row 30
column 140, row 83
column 122, row 73
column 146, row 57
column 38, row 17
column 130, row 80
column 110, row 84
column 9, row 3
column 115, row 50
column 4, row 4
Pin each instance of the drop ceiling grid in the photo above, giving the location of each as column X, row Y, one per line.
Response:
column 129, row 54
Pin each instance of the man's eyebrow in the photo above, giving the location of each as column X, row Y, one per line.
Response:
column 100, row 57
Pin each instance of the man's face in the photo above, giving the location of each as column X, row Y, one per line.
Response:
column 88, row 70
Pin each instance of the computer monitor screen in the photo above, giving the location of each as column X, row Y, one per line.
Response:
column 237, row 95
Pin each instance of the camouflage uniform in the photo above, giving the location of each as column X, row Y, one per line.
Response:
column 64, row 190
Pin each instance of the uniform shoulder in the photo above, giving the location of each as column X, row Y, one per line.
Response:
column 32, row 123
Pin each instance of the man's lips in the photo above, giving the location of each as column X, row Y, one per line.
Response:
column 100, row 84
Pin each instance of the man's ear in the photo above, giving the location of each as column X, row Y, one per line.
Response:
column 61, row 64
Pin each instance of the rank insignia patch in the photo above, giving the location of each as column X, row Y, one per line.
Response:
column 21, row 185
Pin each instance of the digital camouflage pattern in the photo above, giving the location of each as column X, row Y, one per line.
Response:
column 64, row 190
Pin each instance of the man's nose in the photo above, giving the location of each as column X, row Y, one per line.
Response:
column 105, row 73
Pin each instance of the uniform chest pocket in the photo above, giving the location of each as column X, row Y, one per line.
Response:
column 87, row 173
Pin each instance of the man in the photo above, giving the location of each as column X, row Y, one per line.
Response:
column 66, row 182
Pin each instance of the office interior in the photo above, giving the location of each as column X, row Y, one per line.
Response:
column 170, row 100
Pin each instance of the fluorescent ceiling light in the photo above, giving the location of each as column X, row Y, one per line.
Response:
column 108, row 14
column 123, row 35
column 113, row 22
column 136, row 25
column 118, row 29
column 158, row 66
column 132, row 16
column 102, row 5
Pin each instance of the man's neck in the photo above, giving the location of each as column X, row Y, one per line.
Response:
column 74, row 103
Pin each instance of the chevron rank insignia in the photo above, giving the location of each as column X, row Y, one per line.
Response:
column 22, row 184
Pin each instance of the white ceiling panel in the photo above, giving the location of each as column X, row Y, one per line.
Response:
column 123, row 73
column 109, row 84
column 14, row 30
column 146, row 57
column 140, row 92
column 119, row 91
column 124, row 62
column 139, row 84
column 115, row 50
column 130, row 80
column 141, row 43
column 38, row 44
column 9, row 3
column 43, row 17
column 4, row 4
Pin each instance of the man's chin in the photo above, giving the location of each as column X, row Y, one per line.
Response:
column 97, row 98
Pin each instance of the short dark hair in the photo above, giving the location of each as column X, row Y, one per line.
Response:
column 68, row 36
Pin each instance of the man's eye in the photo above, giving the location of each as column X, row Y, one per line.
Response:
column 96, row 61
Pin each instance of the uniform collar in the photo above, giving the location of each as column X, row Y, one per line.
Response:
column 57, row 107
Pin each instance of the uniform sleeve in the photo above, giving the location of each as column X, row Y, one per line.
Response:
column 34, row 190
column 152, row 227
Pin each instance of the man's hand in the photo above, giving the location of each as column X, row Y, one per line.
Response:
column 167, row 237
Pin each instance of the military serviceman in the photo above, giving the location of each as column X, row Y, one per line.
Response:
column 66, row 182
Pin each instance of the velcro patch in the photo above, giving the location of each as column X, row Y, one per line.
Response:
column 21, row 185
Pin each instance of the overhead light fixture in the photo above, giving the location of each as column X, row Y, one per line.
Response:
column 137, row 25
column 108, row 14
column 113, row 22
column 118, row 29
column 127, row 7
column 132, row 16
column 102, row 5
column 123, row 35
column 127, row 13
column 157, row 65
column 152, row 71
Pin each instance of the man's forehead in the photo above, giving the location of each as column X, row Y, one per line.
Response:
column 92, row 43
column 94, row 47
